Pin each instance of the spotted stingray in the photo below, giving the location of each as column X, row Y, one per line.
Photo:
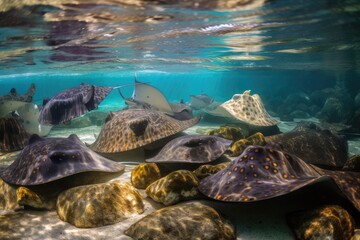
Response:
column 265, row 172
column 13, row 136
column 133, row 128
column 46, row 160
column 192, row 149
column 245, row 108
column 72, row 103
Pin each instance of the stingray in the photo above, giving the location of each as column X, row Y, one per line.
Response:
column 72, row 103
column 28, row 115
column 13, row 136
column 265, row 172
column 148, row 97
column 192, row 149
column 46, row 160
column 313, row 144
column 133, row 128
column 12, row 101
column 245, row 108
column 14, row 96
column 203, row 101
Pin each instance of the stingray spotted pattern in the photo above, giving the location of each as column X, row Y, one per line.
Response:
column 246, row 108
column 133, row 128
column 266, row 172
column 13, row 136
column 192, row 149
column 258, row 173
column 48, row 159
column 72, row 103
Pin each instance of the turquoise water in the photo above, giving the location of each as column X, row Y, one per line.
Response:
column 302, row 57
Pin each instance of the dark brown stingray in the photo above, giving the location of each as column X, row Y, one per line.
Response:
column 13, row 136
column 46, row 160
column 265, row 172
column 72, row 103
column 313, row 145
column 192, row 149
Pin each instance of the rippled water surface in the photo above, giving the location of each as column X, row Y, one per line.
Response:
column 181, row 36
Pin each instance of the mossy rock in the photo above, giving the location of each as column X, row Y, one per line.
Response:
column 183, row 221
column 175, row 187
column 8, row 197
column 352, row 164
column 328, row 222
column 231, row 133
column 99, row 204
column 27, row 197
column 207, row 169
column 239, row 146
column 144, row 174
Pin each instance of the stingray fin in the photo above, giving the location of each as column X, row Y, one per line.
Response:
column 75, row 138
column 35, row 138
column 45, row 101
column 89, row 95
column 138, row 126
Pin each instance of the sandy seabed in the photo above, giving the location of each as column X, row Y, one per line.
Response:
column 259, row 220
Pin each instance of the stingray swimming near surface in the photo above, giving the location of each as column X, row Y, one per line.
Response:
column 266, row 172
column 148, row 97
column 72, row 103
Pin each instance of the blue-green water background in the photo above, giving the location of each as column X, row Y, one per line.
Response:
column 273, row 48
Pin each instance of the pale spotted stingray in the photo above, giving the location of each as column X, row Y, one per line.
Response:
column 133, row 128
column 246, row 108
column 265, row 172
column 46, row 160
column 192, row 149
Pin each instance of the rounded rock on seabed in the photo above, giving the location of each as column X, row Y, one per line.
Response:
column 352, row 164
column 192, row 220
column 145, row 174
column 7, row 197
column 99, row 204
column 328, row 222
column 177, row 186
column 207, row 169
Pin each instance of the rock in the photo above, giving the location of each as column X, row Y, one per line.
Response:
column 27, row 197
column 328, row 222
column 99, row 204
column 231, row 133
column 144, row 174
column 356, row 235
column 7, row 197
column 332, row 111
column 207, row 169
column 175, row 187
column 184, row 221
column 353, row 163
column 239, row 146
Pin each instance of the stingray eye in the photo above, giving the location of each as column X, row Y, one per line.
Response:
column 194, row 143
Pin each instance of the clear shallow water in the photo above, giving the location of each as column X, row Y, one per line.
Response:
column 286, row 51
